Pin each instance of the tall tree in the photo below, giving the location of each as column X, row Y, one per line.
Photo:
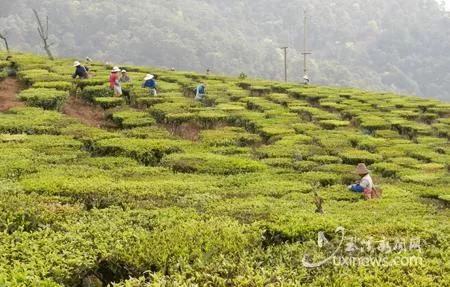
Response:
column 3, row 36
column 43, row 33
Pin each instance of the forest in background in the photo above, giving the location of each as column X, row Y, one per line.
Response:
column 389, row 45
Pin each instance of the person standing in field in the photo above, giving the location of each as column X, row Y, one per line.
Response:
column 124, row 78
column 150, row 83
column 306, row 79
column 200, row 92
column 80, row 71
column 114, row 82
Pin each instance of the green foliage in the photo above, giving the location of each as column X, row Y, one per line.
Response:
column 131, row 119
column 147, row 151
column 108, row 102
column 211, row 163
column 49, row 99
column 216, row 194
column 64, row 86
column 90, row 92
column 358, row 156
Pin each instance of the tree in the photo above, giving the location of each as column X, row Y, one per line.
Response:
column 3, row 36
column 43, row 33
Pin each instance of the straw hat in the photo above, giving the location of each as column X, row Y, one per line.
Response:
column 124, row 71
column 115, row 69
column 148, row 77
column 361, row 169
column 76, row 64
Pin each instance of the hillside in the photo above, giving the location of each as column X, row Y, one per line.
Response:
column 166, row 190
column 399, row 46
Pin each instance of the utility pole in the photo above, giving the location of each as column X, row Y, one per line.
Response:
column 305, row 48
column 285, row 62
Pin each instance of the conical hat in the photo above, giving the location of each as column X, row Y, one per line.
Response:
column 361, row 169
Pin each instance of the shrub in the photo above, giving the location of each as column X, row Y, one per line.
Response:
column 147, row 151
column 211, row 163
column 146, row 102
column 209, row 118
column 358, row 156
column 64, row 86
column 322, row 178
column 179, row 118
column 333, row 124
column 228, row 136
column 108, row 102
column 386, row 169
column 153, row 132
column 325, row 159
column 91, row 92
column 49, row 99
column 130, row 119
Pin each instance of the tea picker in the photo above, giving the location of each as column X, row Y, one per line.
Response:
column 114, row 82
column 200, row 91
column 80, row 71
column 366, row 185
column 150, row 83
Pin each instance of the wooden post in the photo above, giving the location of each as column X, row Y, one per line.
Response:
column 285, row 62
column 305, row 47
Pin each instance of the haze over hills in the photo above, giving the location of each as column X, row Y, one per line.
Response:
column 399, row 46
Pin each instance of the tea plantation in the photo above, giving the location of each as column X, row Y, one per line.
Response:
column 219, row 192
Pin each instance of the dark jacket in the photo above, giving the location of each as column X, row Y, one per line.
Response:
column 80, row 72
column 150, row 84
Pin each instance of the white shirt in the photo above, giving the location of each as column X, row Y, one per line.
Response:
column 366, row 182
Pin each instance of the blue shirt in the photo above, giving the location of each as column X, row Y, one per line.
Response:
column 150, row 84
column 200, row 89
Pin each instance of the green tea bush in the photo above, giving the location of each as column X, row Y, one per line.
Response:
column 211, row 163
column 30, row 77
column 64, row 86
column 148, row 132
column 90, row 92
column 228, row 136
column 145, row 102
column 49, row 99
column 387, row 169
column 333, row 124
column 108, row 102
column 209, row 118
column 130, row 119
column 358, row 156
column 32, row 121
column 147, row 151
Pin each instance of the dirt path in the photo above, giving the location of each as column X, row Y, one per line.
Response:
column 9, row 88
column 86, row 113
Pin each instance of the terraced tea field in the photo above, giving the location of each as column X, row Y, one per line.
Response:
column 166, row 190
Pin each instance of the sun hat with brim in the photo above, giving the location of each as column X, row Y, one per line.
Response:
column 124, row 71
column 361, row 169
column 148, row 77
column 76, row 64
column 115, row 69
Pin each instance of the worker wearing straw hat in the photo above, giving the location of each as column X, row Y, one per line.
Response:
column 80, row 71
column 150, row 83
column 366, row 185
column 114, row 82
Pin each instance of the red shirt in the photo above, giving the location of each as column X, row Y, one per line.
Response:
column 113, row 79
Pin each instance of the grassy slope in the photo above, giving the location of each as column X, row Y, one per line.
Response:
column 219, row 192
